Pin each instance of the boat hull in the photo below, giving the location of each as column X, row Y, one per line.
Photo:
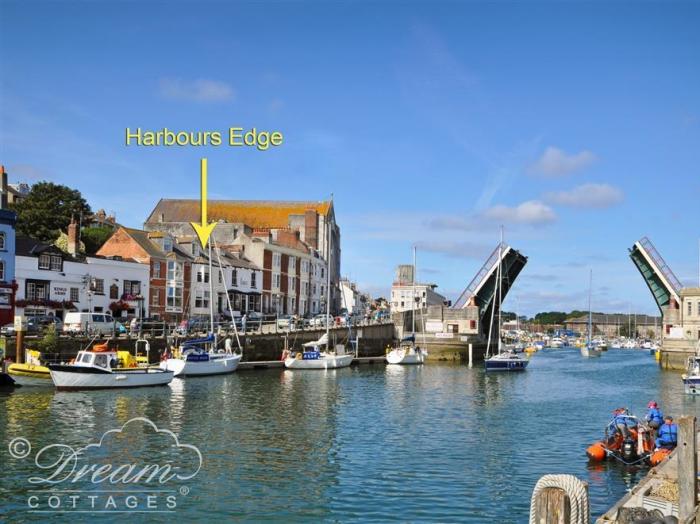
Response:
column 405, row 357
column 692, row 385
column 29, row 375
column 325, row 362
column 216, row 365
column 67, row 377
column 505, row 364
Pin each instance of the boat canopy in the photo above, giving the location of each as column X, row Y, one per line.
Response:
column 198, row 341
column 410, row 338
column 320, row 342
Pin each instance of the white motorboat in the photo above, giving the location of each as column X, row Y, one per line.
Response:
column 195, row 360
column 506, row 359
column 691, row 377
column 99, row 370
column 407, row 352
column 556, row 342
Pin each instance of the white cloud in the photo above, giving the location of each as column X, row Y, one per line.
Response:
column 554, row 162
column 201, row 90
column 451, row 222
column 532, row 212
column 587, row 196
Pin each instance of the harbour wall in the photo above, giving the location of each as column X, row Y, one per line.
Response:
column 675, row 353
column 372, row 341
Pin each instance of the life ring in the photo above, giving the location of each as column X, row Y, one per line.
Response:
column 98, row 348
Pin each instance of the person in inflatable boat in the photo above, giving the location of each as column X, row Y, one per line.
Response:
column 668, row 434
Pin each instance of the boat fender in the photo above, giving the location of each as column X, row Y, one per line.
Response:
column 299, row 356
column 596, row 451
column 658, row 456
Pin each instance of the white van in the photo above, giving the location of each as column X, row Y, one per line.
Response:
column 94, row 323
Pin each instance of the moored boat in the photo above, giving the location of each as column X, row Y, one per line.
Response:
column 194, row 359
column 407, row 353
column 313, row 356
column 31, row 373
column 100, row 370
column 691, row 378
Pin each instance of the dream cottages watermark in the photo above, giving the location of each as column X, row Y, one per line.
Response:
column 137, row 468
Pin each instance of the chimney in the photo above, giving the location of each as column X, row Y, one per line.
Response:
column 3, row 188
column 73, row 237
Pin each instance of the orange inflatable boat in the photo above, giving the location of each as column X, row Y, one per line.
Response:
column 635, row 448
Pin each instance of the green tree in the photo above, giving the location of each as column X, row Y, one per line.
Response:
column 47, row 210
column 94, row 237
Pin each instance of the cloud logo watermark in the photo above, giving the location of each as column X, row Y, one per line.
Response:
column 135, row 468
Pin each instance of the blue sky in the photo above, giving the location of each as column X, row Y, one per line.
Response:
column 576, row 125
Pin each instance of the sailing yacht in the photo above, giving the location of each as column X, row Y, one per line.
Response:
column 200, row 357
column 318, row 354
column 590, row 349
column 407, row 352
column 506, row 359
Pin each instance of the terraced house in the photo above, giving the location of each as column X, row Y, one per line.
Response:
column 291, row 242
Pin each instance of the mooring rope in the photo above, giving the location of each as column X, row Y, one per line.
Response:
column 574, row 488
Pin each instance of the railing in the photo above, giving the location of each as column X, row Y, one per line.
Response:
column 661, row 264
column 477, row 281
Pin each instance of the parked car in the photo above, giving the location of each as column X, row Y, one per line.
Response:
column 320, row 320
column 93, row 323
column 33, row 328
column 287, row 322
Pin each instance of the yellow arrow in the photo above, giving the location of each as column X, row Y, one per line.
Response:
column 204, row 230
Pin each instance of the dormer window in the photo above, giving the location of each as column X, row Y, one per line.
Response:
column 44, row 261
column 167, row 244
column 56, row 263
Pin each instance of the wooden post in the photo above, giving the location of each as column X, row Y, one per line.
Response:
column 19, row 348
column 471, row 355
column 552, row 507
column 687, row 467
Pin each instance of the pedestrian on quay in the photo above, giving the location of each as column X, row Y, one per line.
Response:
column 244, row 321
column 654, row 417
column 668, row 434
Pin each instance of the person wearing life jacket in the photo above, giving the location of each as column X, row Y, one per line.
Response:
column 668, row 434
column 622, row 422
column 654, row 417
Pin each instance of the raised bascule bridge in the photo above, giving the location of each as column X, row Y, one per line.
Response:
column 448, row 331
column 679, row 305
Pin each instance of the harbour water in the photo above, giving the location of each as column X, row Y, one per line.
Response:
column 439, row 443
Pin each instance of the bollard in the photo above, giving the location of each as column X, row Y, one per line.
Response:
column 552, row 507
column 471, row 356
column 559, row 499
column 687, row 467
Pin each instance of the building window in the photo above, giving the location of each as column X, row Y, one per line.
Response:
column 56, row 263
column 75, row 294
column 36, row 291
column 202, row 274
column 98, row 286
column 276, row 260
column 174, row 270
column 155, row 269
column 132, row 288
column 155, row 298
column 2, row 240
column 167, row 244
column 322, row 271
column 114, row 292
column 174, row 298
column 234, row 277
column 253, row 276
column 690, row 308
column 292, row 264
column 276, row 280
column 2, row 270
column 290, row 284
column 44, row 261
column 201, row 299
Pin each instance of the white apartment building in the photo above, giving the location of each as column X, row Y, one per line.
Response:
column 424, row 295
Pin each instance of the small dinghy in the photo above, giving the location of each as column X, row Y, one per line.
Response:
column 100, row 369
column 32, row 373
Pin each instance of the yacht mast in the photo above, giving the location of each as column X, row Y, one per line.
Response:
column 500, row 290
column 328, row 287
column 590, row 313
column 211, row 296
column 413, row 292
